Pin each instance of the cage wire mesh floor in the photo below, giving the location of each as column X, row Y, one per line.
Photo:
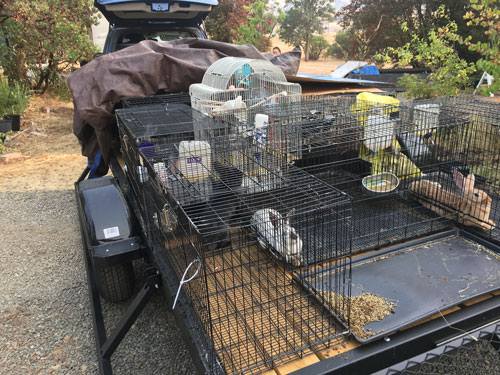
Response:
column 260, row 322
column 383, row 220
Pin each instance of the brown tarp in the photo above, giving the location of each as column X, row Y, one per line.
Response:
column 142, row 70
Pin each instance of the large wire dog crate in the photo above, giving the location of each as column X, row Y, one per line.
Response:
column 476, row 146
column 375, row 151
column 243, row 226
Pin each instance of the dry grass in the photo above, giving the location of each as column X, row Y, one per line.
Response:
column 365, row 308
column 51, row 157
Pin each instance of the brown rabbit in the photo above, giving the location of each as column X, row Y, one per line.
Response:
column 472, row 206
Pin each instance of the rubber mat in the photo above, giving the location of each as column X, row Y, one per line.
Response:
column 429, row 277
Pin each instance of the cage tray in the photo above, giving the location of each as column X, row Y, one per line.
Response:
column 423, row 278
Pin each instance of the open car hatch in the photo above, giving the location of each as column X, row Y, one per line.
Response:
column 133, row 12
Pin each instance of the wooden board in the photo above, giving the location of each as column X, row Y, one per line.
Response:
column 477, row 300
column 342, row 347
column 297, row 365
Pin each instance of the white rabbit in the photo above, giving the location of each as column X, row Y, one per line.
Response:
column 273, row 230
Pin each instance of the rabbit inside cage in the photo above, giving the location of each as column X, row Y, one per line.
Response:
column 344, row 140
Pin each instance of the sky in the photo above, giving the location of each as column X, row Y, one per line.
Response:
column 340, row 3
column 337, row 4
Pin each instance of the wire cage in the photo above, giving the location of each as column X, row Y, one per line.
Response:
column 255, row 206
column 248, row 228
column 378, row 151
column 161, row 99
column 238, row 83
column 475, row 146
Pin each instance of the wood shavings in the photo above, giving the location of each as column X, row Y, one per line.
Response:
column 365, row 308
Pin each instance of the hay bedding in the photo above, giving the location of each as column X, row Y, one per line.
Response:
column 365, row 308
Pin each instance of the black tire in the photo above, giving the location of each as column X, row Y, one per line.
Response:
column 115, row 282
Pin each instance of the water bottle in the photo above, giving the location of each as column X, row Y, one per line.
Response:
column 260, row 128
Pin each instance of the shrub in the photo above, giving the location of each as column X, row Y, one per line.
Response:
column 13, row 100
column 341, row 46
column 318, row 45
column 449, row 73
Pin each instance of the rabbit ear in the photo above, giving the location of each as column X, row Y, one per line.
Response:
column 459, row 180
column 469, row 182
column 289, row 215
column 274, row 219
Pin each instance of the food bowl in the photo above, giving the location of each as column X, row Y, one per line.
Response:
column 380, row 184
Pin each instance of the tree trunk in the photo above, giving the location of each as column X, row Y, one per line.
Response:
column 306, row 49
column 43, row 83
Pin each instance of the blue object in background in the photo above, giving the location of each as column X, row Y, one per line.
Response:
column 366, row 70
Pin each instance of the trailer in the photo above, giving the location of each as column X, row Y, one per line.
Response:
column 356, row 237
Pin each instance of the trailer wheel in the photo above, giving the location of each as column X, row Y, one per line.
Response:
column 116, row 282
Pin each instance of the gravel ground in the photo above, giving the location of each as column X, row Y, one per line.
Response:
column 45, row 319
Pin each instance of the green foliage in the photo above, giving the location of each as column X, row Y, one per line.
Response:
column 5, row 98
column 2, row 145
column 224, row 20
column 449, row 73
column 13, row 100
column 341, row 46
column 45, row 38
column 259, row 28
column 355, row 43
column 60, row 90
column 303, row 20
column 318, row 45
column 376, row 24
column 20, row 97
column 417, row 87
column 486, row 14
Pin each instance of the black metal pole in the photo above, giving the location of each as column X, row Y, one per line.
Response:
column 130, row 316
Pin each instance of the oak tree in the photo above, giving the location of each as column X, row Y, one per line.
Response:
column 303, row 19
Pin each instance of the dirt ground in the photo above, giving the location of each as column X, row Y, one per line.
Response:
column 321, row 66
column 50, row 153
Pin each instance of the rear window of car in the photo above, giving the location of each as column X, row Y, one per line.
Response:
column 128, row 39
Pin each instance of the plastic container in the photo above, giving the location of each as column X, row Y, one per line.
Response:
column 5, row 125
column 195, row 160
